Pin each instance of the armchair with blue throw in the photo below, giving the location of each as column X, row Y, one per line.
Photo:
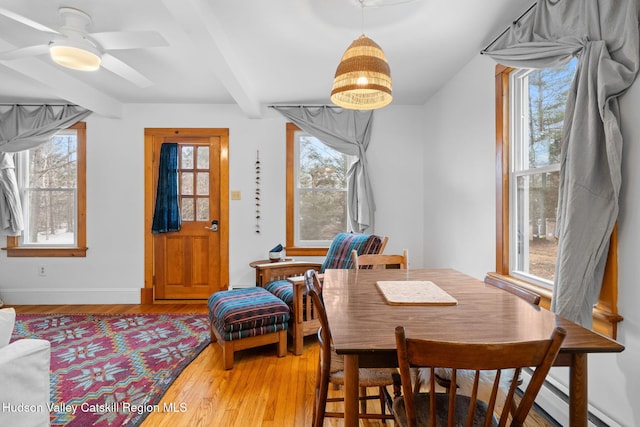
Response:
column 285, row 280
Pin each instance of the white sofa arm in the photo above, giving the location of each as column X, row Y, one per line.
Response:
column 24, row 374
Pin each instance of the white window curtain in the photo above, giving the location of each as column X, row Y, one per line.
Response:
column 603, row 35
column 349, row 132
column 21, row 128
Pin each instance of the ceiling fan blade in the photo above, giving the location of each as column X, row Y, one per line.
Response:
column 26, row 21
column 24, row 51
column 118, row 67
column 115, row 40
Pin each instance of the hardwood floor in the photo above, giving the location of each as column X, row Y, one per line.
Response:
column 261, row 390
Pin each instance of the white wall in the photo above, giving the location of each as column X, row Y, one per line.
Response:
column 113, row 272
column 460, row 219
column 459, row 174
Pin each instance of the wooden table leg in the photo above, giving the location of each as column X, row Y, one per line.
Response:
column 578, row 391
column 351, row 390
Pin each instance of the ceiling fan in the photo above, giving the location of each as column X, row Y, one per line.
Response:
column 72, row 46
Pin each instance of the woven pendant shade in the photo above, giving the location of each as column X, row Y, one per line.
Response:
column 363, row 78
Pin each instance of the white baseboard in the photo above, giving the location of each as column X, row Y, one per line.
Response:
column 553, row 398
column 70, row 296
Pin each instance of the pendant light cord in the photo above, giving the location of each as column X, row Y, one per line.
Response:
column 362, row 16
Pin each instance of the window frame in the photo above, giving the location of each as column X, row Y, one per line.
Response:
column 291, row 208
column 519, row 167
column 13, row 247
column 605, row 313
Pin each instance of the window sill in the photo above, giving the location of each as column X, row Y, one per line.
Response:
column 604, row 320
column 47, row 252
column 299, row 251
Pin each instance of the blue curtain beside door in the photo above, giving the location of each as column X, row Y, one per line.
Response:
column 166, row 216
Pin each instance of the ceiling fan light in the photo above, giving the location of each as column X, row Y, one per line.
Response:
column 363, row 78
column 76, row 58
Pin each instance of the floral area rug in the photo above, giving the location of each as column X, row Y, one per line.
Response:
column 112, row 370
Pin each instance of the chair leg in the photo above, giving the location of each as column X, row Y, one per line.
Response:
column 383, row 402
column 316, row 400
column 320, row 408
column 298, row 338
column 363, row 400
column 397, row 385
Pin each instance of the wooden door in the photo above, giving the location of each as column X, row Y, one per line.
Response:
column 191, row 263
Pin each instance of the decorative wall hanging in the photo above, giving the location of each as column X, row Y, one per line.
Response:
column 257, row 191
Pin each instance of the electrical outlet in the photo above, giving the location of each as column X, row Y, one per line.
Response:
column 42, row 271
column 236, row 195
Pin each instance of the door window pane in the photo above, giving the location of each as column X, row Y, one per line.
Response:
column 187, row 209
column 202, row 209
column 187, row 183
column 186, row 159
column 203, row 158
column 203, row 184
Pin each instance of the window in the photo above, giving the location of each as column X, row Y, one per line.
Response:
column 51, row 178
column 194, row 182
column 529, row 117
column 537, row 114
column 316, row 193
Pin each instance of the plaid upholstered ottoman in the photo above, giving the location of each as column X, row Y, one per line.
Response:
column 246, row 318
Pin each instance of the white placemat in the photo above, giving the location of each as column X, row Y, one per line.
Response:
column 414, row 292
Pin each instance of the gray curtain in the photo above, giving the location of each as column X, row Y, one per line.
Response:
column 349, row 132
column 21, row 128
column 603, row 35
column 11, row 222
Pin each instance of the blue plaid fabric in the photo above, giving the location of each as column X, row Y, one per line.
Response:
column 338, row 256
column 283, row 289
column 339, row 253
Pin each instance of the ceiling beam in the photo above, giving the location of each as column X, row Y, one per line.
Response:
column 62, row 85
column 200, row 23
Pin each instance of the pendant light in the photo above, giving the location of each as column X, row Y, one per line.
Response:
column 363, row 79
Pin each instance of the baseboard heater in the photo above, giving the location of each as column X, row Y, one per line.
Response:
column 553, row 402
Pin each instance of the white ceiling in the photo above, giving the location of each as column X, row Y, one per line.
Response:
column 253, row 53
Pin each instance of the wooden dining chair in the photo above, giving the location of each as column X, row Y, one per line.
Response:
column 450, row 409
column 380, row 261
column 443, row 376
column 331, row 368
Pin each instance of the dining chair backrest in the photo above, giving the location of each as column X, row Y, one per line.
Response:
column 314, row 290
column 330, row 367
column 380, row 261
column 525, row 294
column 451, row 407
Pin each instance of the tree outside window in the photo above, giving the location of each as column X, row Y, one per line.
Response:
column 538, row 100
column 316, row 193
column 52, row 179
column 50, row 173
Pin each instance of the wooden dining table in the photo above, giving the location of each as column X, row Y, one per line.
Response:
column 362, row 324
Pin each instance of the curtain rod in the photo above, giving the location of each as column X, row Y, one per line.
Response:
column 507, row 29
column 4, row 104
